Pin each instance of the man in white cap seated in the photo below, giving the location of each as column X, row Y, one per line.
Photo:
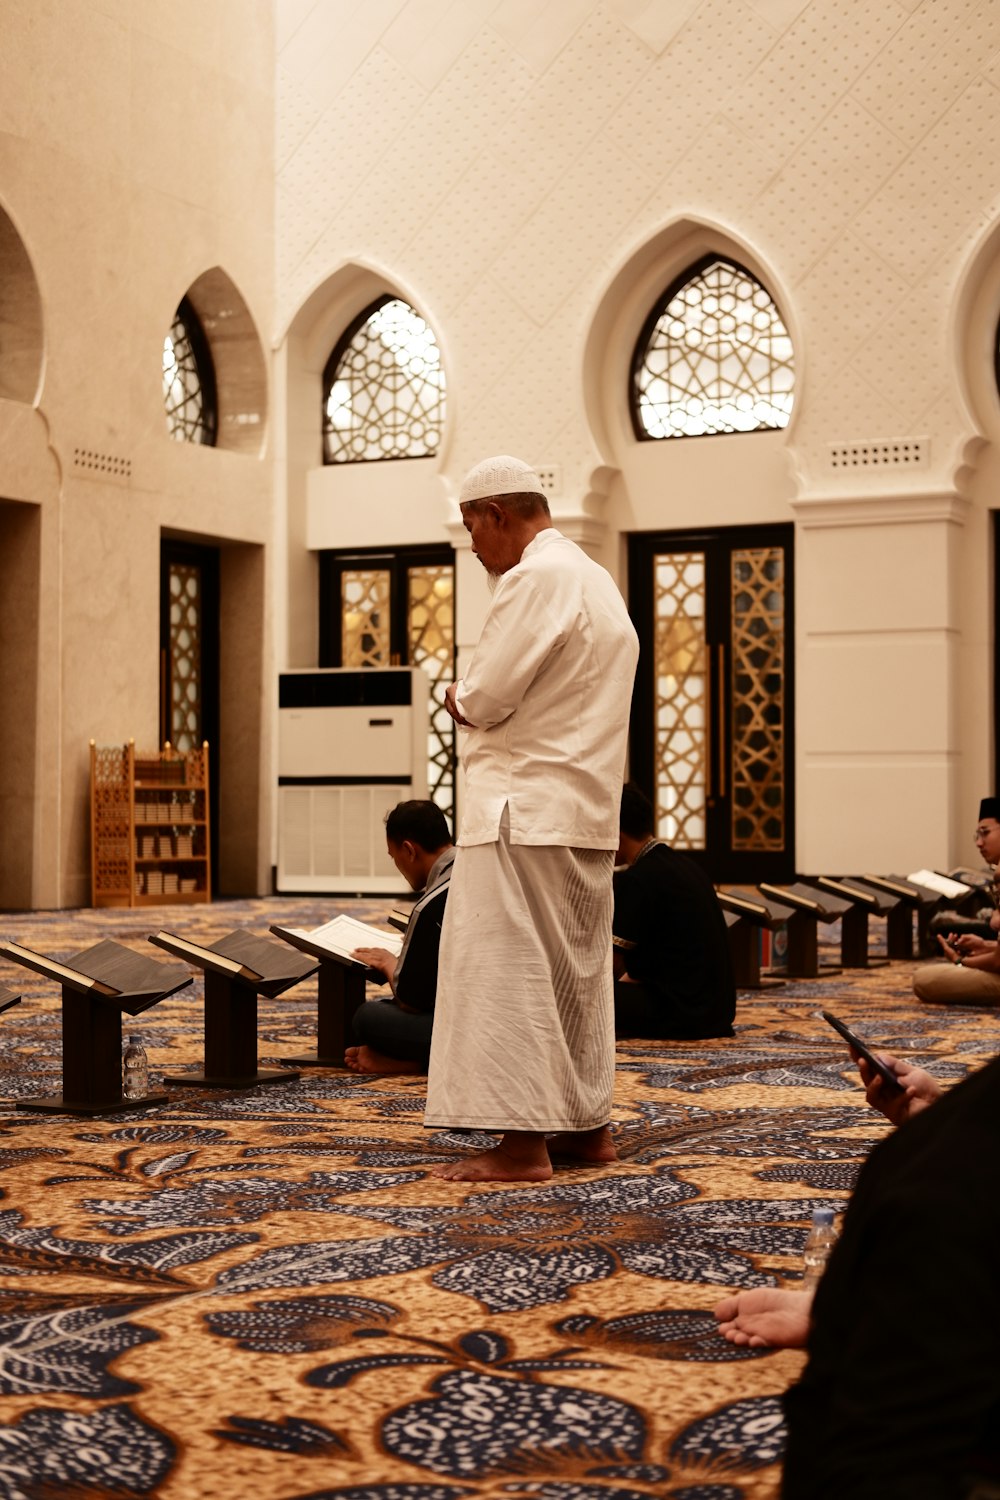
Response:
column 523, row 1040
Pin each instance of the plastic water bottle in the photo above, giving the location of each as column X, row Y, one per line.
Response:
column 819, row 1242
column 135, row 1070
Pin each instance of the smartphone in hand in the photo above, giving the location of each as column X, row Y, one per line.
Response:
column 887, row 1076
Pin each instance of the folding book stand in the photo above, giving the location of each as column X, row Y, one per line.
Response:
column 98, row 984
column 808, row 908
column 745, row 917
column 910, row 898
column 237, row 968
column 341, row 992
column 858, row 902
column 8, row 997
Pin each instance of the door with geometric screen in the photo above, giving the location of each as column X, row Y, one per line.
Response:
column 712, row 713
column 397, row 609
column 189, row 661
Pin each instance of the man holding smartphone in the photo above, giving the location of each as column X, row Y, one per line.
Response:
column 901, row 1393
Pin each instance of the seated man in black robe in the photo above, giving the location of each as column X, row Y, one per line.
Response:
column 673, row 975
column 395, row 1034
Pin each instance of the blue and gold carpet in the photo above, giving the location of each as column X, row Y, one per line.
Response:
column 265, row 1293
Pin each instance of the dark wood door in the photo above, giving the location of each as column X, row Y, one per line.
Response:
column 712, row 715
column 189, row 661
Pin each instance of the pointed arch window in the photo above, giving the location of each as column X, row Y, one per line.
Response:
column 383, row 388
column 189, row 380
column 714, row 356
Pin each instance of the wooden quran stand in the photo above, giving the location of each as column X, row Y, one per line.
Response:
column 237, row 969
column 98, row 984
column 341, row 986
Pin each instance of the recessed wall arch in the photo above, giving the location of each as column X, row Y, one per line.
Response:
column 336, row 303
column 238, row 358
column 625, row 305
column 22, row 347
column 974, row 326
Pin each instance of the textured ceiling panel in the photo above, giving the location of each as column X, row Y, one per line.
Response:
column 536, row 277
column 927, row 64
column 721, row 176
column 810, row 69
column 671, row 105
column 539, row 32
column 429, row 36
column 886, row 356
column 842, row 164
column 657, row 22
column 846, row 295
column 940, row 187
column 780, row 14
column 297, row 113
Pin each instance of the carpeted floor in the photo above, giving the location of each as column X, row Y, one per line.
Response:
column 266, row 1294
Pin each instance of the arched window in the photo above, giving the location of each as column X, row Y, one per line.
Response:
column 189, row 380
column 714, row 356
column 383, row 388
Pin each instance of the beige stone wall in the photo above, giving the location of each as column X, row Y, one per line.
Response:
column 136, row 165
column 531, row 177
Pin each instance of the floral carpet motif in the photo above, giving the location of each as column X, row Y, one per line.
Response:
column 266, row 1292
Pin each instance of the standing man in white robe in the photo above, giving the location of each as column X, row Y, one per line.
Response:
column 523, row 1038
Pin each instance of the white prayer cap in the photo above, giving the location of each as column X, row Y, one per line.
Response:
column 502, row 475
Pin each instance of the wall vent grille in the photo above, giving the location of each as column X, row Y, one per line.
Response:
column 103, row 465
column 911, row 453
column 550, row 478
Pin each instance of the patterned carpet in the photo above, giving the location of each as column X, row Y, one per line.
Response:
column 266, row 1294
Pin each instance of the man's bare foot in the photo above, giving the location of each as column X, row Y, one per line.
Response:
column 520, row 1156
column 367, row 1060
column 767, row 1317
column 584, row 1145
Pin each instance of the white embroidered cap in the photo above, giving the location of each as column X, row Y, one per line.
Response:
column 502, row 475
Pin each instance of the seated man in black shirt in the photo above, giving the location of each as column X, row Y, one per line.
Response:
column 673, row 975
column 395, row 1034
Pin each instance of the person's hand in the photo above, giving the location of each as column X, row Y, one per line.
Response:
column 452, row 706
column 995, row 919
column 377, row 958
column 768, row 1317
column 919, row 1089
column 965, row 943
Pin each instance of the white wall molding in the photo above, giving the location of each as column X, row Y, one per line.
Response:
column 815, row 512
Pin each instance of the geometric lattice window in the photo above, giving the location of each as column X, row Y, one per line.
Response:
column 186, row 686
column 681, row 697
column 189, row 380
column 759, row 698
column 383, row 388
column 714, row 356
column 431, row 645
column 364, row 601
column 392, row 609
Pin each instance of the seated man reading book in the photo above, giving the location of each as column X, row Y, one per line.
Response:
column 394, row 1034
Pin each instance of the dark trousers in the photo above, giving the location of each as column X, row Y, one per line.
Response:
column 402, row 1034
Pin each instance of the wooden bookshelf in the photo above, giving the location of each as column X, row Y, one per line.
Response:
column 149, row 826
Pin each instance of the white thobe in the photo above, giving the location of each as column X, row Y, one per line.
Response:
column 524, row 1021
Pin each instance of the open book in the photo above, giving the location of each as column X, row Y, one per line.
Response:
column 943, row 884
column 340, row 937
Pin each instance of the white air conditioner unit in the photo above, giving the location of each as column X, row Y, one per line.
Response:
column 351, row 744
